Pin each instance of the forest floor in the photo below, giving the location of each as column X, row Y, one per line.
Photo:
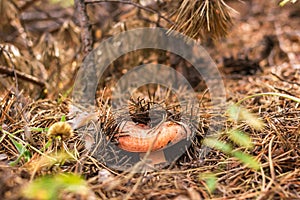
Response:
column 40, row 54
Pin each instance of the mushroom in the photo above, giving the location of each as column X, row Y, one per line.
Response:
column 141, row 138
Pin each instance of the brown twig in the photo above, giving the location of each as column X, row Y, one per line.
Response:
column 86, row 34
column 284, row 80
column 21, row 75
column 131, row 3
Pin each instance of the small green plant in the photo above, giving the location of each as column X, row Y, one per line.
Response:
column 23, row 147
column 210, row 181
column 237, row 113
column 22, row 150
column 50, row 187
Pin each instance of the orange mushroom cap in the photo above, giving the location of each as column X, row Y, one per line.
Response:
column 141, row 138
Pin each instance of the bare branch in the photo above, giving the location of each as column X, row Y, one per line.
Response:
column 86, row 34
column 130, row 3
column 15, row 73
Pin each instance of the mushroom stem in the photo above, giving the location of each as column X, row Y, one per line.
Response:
column 154, row 158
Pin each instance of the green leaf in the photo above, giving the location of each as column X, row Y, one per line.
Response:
column 42, row 188
column 251, row 119
column 210, row 180
column 37, row 129
column 233, row 112
column 63, row 118
column 18, row 145
column 238, row 113
column 240, row 138
column 47, row 145
column 247, row 159
column 72, row 183
column 215, row 143
column 2, row 137
column 49, row 187
column 226, row 148
column 27, row 155
column 23, row 152
column 15, row 162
